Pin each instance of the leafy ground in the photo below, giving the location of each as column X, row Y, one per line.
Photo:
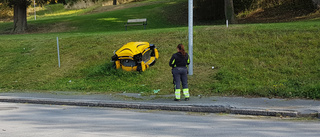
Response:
column 277, row 14
column 268, row 60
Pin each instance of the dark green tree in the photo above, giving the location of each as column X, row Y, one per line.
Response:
column 61, row 1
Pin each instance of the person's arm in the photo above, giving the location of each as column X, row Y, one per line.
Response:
column 188, row 59
column 172, row 61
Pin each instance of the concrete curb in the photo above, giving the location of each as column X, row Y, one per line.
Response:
column 169, row 107
column 265, row 112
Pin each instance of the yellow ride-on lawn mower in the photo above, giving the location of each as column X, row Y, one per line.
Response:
column 135, row 56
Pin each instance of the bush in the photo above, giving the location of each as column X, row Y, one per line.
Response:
column 5, row 12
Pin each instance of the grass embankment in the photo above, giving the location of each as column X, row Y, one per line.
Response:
column 266, row 60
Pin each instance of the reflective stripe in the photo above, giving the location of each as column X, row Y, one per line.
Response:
column 173, row 61
column 188, row 60
column 177, row 93
column 186, row 92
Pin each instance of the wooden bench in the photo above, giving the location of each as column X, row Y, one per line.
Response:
column 136, row 22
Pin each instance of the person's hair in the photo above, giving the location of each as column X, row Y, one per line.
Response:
column 181, row 49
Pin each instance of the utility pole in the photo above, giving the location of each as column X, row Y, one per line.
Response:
column 58, row 51
column 190, row 22
column 34, row 8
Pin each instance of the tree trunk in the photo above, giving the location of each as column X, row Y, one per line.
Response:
column 229, row 11
column 114, row 2
column 317, row 3
column 20, row 19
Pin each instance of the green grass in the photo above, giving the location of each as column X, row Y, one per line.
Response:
column 57, row 11
column 56, row 19
column 267, row 60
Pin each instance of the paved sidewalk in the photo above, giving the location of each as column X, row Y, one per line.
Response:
column 215, row 104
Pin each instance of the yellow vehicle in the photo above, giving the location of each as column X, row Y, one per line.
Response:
column 135, row 56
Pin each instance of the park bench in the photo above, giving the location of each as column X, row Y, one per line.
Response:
column 136, row 22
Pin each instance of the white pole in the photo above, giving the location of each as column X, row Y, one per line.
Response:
column 227, row 22
column 34, row 8
column 58, row 51
column 191, row 36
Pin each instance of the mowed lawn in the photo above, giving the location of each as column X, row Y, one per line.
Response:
column 268, row 60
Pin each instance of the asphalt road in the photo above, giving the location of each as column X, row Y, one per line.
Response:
column 29, row 120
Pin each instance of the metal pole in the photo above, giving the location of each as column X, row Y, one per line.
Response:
column 227, row 23
column 191, row 36
column 34, row 8
column 58, row 51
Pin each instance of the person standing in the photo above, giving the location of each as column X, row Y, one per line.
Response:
column 179, row 62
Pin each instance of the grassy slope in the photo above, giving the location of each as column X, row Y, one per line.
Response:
column 258, row 60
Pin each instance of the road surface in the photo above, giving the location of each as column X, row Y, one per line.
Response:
column 30, row 120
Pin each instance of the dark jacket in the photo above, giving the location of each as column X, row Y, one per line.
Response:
column 178, row 60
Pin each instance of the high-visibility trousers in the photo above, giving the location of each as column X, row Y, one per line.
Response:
column 180, row 75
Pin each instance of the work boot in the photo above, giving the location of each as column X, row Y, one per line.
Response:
column 176, row 99
column 186, row 99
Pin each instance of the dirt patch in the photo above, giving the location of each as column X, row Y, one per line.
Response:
column 57, row 27
column 50, row 28
column 80, row 4
column 122, row 6
column 279, row 14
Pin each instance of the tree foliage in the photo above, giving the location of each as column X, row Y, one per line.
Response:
column 209, row 10
column 20, row 3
